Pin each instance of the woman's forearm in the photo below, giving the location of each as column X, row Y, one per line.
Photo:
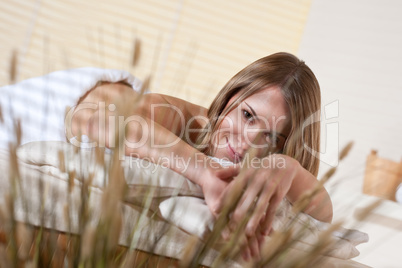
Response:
column 160, row 144
column 143, row 138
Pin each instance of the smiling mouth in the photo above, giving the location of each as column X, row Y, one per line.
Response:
column 234, row 155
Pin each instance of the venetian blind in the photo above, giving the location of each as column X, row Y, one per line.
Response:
column 191, row 48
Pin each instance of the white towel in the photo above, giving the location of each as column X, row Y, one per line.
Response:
column 40, row 103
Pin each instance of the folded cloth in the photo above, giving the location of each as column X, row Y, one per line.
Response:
column 40, row 103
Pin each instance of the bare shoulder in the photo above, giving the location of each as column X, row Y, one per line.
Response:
column 189, row 109
column 122, row 93
column 173, row 113
column 103, row 93
column 109, row 93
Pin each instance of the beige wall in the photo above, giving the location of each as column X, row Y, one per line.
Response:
column 354, row 47
column 191, row 47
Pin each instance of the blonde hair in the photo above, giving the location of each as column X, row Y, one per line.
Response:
column 300, row 90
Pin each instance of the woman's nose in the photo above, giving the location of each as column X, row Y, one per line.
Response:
column 247, row 140
column 254, row 139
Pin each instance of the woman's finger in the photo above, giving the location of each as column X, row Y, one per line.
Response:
column 260, row 237
column 218, row 208
column 254, row 247
column 226, row 233
column 258, row 215
column 246, row 254
column 244, row 248
column 228, row 172
column 246, row 203
column 270, row 214
column 280, row 183
column 230, row 194
column 268, row 189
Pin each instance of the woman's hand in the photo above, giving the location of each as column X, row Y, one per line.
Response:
column 215, row 180
column 265, row 183
column 261, row 186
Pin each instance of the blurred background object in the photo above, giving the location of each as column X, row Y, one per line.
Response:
column 382, row 177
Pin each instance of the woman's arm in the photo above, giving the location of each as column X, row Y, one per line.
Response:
column 265, row 188
column 152, row 126
column 155, row 127
column 320, row 207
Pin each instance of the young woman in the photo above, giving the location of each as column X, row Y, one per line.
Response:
column 257, row 121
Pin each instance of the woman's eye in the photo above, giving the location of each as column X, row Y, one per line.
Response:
column 247, row 115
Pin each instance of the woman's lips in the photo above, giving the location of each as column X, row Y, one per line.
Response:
column 235, row 157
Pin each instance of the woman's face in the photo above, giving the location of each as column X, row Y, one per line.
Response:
column 260, row 121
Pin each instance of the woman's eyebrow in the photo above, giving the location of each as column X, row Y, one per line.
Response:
column 252, row 110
